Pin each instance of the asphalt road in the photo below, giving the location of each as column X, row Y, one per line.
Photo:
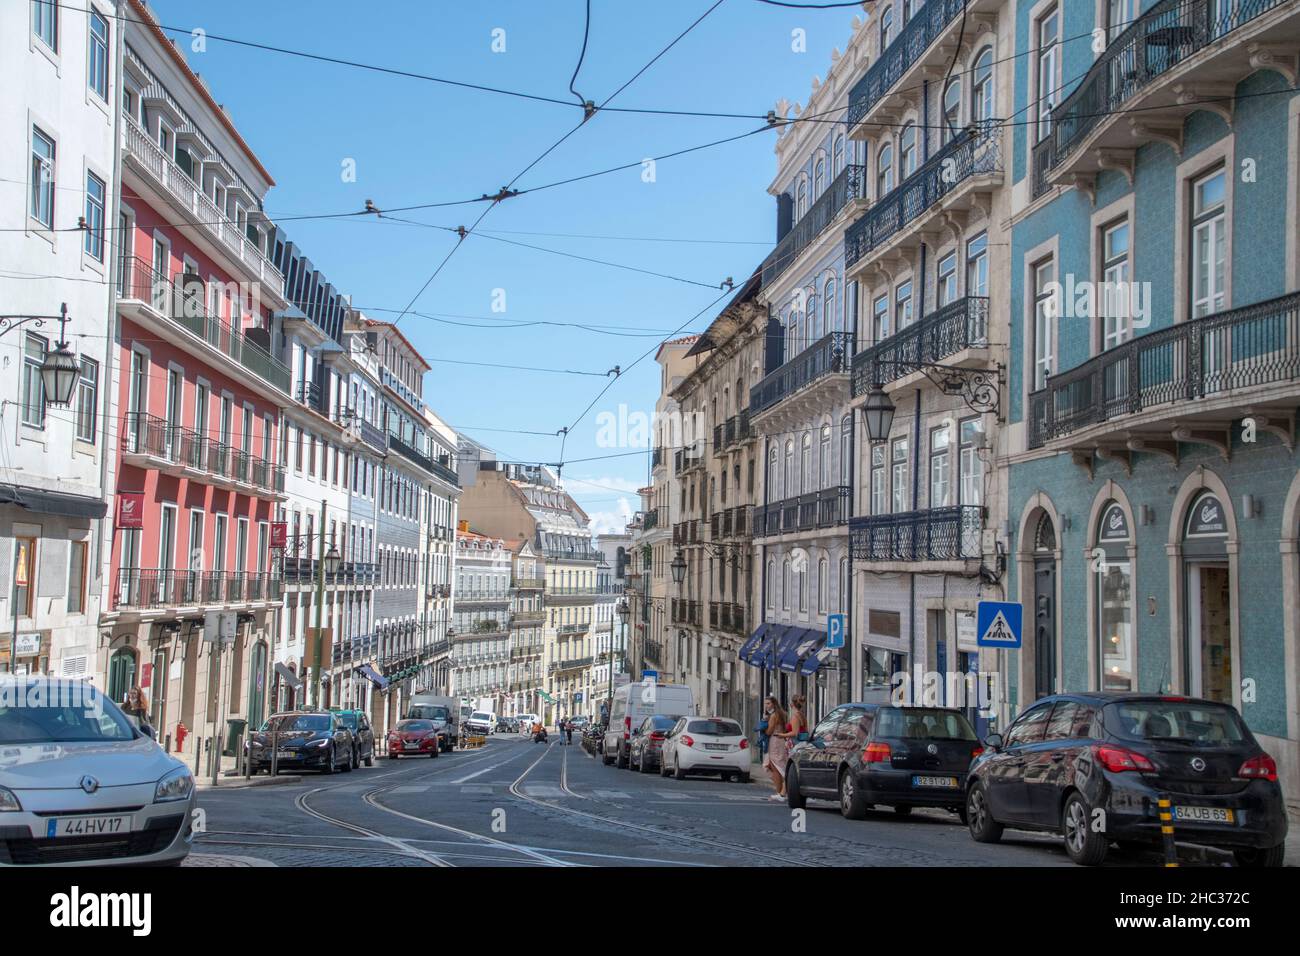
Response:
column 516, row 803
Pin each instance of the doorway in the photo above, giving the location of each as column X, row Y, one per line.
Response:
column 1044, row 626
column 1209, row 632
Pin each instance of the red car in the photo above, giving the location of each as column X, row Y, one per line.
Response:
column 416, row 738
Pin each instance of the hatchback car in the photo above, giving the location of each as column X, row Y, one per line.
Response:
column 707, row 745
column 302, row 740
column 416, row 738
column 1072, row 760
column 362, row 734
column 647, row 742
column 899, row 756
column 80, row 784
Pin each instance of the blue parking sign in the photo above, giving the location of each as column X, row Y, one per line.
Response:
column 834, row 631
column 998, row 624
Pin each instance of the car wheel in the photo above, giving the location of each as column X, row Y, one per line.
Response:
column 744, row 778
column 329, row 764
column 643, row 766
column 903, row 810
column 621, row 760
column 1084, row 845
column 979, row 817
column 852, row 804
column 1260, row 858
column 370, row 758
column 794, row 798
column 606, row 759
column 349, row 763
column 678, row 772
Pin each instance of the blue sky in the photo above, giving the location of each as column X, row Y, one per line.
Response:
column 418, row 142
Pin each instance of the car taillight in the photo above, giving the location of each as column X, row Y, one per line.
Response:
column 688, row 740
column 976, row 752
column 744, row 743
column 1119, row 759
column 877, row 753
column 1262, row 767
column 656, row 736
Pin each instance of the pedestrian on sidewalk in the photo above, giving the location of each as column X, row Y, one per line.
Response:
column 136, row 708
column 798, row 719
column 778, row 749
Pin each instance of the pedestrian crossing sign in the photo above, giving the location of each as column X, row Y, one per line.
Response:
column 998, row 624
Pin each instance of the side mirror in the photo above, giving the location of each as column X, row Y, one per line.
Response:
column 993, row 741
column 818, row 742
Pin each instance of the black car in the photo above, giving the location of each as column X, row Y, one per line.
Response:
column 645, row 752
column 302, row 740
column 506, row 726
column 1093, row 767
column 900, row 756
column 363, row 735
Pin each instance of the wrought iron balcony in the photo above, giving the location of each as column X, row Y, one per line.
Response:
column 727, row 616
column 159, row 443
column 309, row 393
column 156, row 588
column 409, row 453
column 374, row 437
column 975, row 151
column 959, row 325
column 829, row 355
column 1250, row 348
column 827, row 508
column 1162, row 39
column 925, row 26
column 936, row 534
column 527, row 618
column 849, row 185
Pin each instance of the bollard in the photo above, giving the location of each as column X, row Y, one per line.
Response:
column 246, row 755
column 1167, row 832
column 198, row 756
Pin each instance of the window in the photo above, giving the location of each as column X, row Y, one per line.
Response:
column 1029, row 728
column 801, row 206
column 880, row 319
column 45, row 23
column 24, row 575
column 898, row 474
column 773, row 492
column 1044, row 322
column 977, row 266
column 1048, row 30
column 785, row 584
column 805, row 464
column 1115, row 299
column 78, row 551
column 1118, row 15
column 87, row 400
column 825, row 456
column 981, row 91
column 34, row 349
column 823, row 585
column 42, row 178
column 95, row 198
column 1209, row 243
column 819, row 177
column 801, row 587
column 969, row 441
column 839, row 154
column 951, row 111
column 97, row 59
column 878, row 480
column 884, row 170
column 903, row 306
column 940, row 468
column 829, row 314
column 907, row 152
column 946, row 289
column 886, row 27
column 789, row 470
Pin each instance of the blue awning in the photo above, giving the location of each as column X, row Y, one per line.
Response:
column 754, row 640
column 761, row 655
column 817, row 655
column 372, row 675
column 800, row 644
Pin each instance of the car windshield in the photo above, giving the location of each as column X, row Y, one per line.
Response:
column 429, row 712
column 350, row 720
column 479, row 715
column 414, row 726
column 659, row 722
column 315, row 723
column 1190, row 723
column 714, row 728
column 923, row 723
column 89, row 721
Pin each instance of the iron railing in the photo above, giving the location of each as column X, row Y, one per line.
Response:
column 374, row 436
column 827, row 356
column 975, row 151
column 961, row 324
column 849, row 185
column 827, row 508
column 936, row 534
column 145, row 434
column 1250, row 347
column 147, row 588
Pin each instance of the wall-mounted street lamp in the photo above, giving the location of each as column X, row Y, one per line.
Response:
column 979, row 389
column 678, row 567
column 61, row 368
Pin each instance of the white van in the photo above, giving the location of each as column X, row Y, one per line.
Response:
column 632, row 704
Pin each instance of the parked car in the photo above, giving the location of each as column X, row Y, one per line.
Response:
column 480, row 722
column 505, row 725
column 868, row 754
column 416, row 738
column 427, row 706
column 302, row 740
column 1071, row 755
column 633, row 703
column 81, row 784
column 362, row 735
column 647, row 742
column 706, row 745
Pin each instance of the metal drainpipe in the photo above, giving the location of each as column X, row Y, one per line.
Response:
column 916, row 485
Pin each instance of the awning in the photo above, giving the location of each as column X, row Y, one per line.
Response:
column 53, row 502
column 765, row 654
column 784, row 648
column 288, row 676
column 372, row 675
column 752, row 644
column 816, row 655
column 802, row 643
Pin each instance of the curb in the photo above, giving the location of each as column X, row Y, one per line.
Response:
column 239, row 783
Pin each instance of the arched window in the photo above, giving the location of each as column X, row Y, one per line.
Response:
column 801, row 586
column 884, row 170
column 819, row 176
column 805, row 464
column 981, row 93
column 792, row 335
column 802, row 200
column 1114, row 599
column 823, row 585
column 886, row 27
column 846, row 439
column 831, row 317
column 951, row 111
column 789, row 469
column 785, row 584
column 771, row 582
column 907, row 154
column 839, row 154
column 814, row 324
column 825, row 456
column 773, row 492
column 844, row 584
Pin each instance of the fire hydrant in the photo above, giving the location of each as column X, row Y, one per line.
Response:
column 181, row 733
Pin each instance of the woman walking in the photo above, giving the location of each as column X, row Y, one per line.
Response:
column 778, row 748
column 799, row 727
column 136, row 707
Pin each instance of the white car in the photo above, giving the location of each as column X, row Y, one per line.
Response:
column 480, row 722
column 80, row 785
column 706, row 745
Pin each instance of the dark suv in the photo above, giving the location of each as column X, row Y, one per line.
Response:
column 1092, row 766
column 363, row 735
column 868, row 754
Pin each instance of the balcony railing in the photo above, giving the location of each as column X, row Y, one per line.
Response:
column 826, row 356
column 145, row 434
column 152, row 588
column 409, row 453
column 961, row 324
column 1160, row 39
column 926, row 25
column 182, row 301
column 849, row 185
column 826, row 508
column 527, row 618
column 972, row 152
column 650, row 520
column 374, row 437
column 1250, row 347
column 309, row 393
column 936, row 534
column 727, row 616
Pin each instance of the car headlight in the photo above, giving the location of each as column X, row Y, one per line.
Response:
column 177, row 785
column 9, row 801
column 320, row 743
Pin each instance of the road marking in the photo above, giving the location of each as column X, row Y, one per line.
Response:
column 479, row 773
column 471, row 789
column 409, row 788
column 612, row 794
column 544, row 791
column 669, row 795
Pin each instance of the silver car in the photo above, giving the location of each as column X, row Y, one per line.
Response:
column 80, row 784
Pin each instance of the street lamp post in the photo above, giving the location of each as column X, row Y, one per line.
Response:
column 624, row 612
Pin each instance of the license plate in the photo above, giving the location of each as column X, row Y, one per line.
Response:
column 949, row 783
column 87, row 826
column 717, row 746
column 1204, row 814
column 287, row 755
column 412, row 746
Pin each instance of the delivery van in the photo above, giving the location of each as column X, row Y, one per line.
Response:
column 632, row 704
